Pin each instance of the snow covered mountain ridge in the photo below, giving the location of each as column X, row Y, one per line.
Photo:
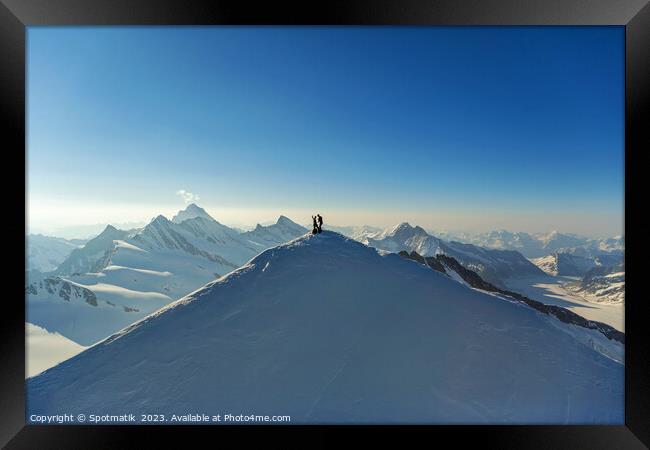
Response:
column 327, row 330
column 45, row 253
column 448, row 265
column 537, row 245
column 493, row 265
column 190, row 212
column 133, row 273
column 602, row 284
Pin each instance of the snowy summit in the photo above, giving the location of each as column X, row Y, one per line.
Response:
column 325, row 329
column 190, row 212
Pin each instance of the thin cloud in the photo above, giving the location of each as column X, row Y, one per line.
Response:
column 188, row 197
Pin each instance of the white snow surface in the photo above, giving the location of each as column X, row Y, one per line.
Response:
column 575, row 262
column 45, row 349
column 132, row 274
column 282, row 231
column 190, row 212
column 326, row 330
column 559, row 291
column 454, row 275
column 492, row 265
column 608, row 289
column 87, row 315
column 358, row 233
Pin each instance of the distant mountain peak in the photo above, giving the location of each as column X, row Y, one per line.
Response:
column 419, row 229
column 109, row 232
column 283, row 230
column 194, row 207
column 160, row 219
column 285, row 220
column 403, row 226
column 191, row 211
column 109, row 229
column 405, row 229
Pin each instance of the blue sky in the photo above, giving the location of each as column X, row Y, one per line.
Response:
column 450, row 128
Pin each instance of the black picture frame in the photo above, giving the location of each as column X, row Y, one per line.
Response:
column 16, row 15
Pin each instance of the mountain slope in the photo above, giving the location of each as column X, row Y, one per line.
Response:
column 326, row 330
column 456, row 271
column 576, row 262
column 602, row 284
column 539, row 244
column 267, row 236
column 198, row 236
column 93, row 256
column 86, row 315
column 492, row 265
column 45, row 253
column 358, row 233
column 522, row 242
column 132, row 274
column 564, row 264
column 190, row 212
column 555, row 241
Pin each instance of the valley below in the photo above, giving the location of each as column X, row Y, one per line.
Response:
column 557, row 291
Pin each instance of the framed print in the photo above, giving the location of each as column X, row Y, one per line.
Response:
column 264, row 216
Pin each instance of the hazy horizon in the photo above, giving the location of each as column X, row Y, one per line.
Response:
column 234, row 218
column 461, row 129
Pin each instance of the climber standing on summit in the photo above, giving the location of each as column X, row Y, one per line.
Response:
column 320, row 222
column 315, row 229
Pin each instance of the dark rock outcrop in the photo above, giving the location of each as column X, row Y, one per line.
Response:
column 427, row 261
column 435, row 264
column 470, row 277
column 63, row 289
